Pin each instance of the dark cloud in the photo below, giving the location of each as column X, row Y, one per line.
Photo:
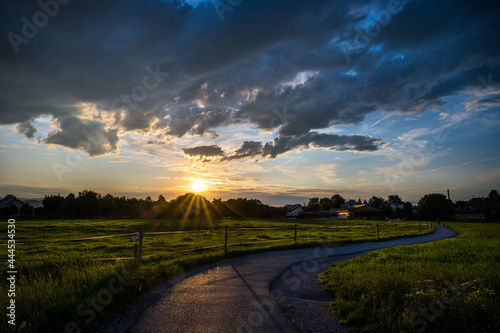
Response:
column 204, row 153
column 248, row 149
column 175, row 69
column 27, row 129
column 281, row 145
column 89, row 136
column 335, row 142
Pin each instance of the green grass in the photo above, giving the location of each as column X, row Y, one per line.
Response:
column 451, row 285
column 56, row 274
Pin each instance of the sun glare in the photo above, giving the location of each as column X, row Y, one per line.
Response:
column 198, row 186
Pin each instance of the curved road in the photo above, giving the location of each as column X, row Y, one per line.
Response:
column 235, row 295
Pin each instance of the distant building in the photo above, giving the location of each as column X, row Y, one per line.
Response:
column 349, row 203
column 321, row 214
column 365, row 212
column 11, row 200
column 469, row 215
column 293, row 211
column 477, row 210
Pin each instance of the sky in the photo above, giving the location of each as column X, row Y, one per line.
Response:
column 276, row 100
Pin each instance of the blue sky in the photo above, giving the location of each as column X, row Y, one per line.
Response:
column 279, row 100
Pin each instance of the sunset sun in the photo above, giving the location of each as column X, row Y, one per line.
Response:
column 198, row 186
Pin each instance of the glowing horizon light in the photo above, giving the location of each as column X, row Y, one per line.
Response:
column 198, row 186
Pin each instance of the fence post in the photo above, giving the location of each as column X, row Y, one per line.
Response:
column 225, row 242
column 139, row 251
column 295, row 237
column 420, row 227
column 430, row 225
column 378, row 234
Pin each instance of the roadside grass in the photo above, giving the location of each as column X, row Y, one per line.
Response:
column 451, row 285
column 58, row 276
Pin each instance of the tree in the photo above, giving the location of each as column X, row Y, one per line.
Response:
column 313, row 204
column 388, row 211
column 435, row 206
column 494, row 195
column 359, row 201
column 107, row 205
column 27, row 210
column 408, row 211
column 51, row 204
column 161, row 200
column 376, row 201
column 39, row 211
column 337, row 201
column 10, row 211
column 325, row 203
column 88, row 203
column 395, row 199
column 68, row 207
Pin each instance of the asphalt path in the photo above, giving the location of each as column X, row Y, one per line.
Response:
column 265, row 292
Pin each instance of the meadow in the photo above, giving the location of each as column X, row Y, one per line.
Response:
column 451, row 285
column 62, row 270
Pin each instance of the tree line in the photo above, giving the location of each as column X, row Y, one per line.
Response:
column 90, row 204
column 431, row 206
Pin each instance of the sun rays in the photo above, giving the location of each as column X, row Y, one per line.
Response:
column 199, row 186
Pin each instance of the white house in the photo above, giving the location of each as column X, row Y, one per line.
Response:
column 293, row 211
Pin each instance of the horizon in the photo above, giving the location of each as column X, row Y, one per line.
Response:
column 279, row 101
column 228, row 198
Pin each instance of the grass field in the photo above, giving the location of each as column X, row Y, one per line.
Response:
column 448, row 286
column 59, row 277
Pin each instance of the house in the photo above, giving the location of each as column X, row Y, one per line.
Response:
column 469, row 215
column 321, row 214
column 478, row 209
column 365, row 212
column 11, row 201
column 293, row 211
column 349, row 203
column 344, row 214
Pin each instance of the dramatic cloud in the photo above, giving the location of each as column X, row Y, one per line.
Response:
column 27, row 129
column 204, row 151
column 170, row 69
column 281, row 145
column 89, row 136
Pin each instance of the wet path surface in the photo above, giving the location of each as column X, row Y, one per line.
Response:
column 266, row 292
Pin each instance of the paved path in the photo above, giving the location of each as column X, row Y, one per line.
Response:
column 235, row 295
